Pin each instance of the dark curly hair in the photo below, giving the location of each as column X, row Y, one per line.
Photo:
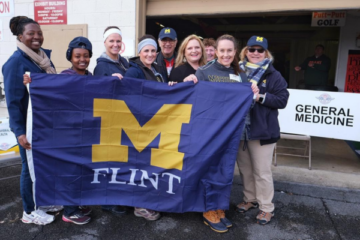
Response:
column 17, row 24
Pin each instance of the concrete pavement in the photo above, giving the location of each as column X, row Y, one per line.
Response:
column 302, row 212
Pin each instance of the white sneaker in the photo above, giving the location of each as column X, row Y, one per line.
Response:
column 51, row 208
column 38, row 217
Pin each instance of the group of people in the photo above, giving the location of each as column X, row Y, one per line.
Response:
column 196, row 60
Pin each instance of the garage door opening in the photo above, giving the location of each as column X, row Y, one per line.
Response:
column 291, row 40
column 290, row 35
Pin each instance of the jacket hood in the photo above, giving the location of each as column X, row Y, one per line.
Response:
column 135, row 61
column 105, row 58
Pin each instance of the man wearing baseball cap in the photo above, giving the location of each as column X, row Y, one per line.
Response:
column 166, row 58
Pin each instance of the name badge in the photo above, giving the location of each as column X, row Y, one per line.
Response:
column 235, row 77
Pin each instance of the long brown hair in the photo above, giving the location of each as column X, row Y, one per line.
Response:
column 181, row 52
column 235, row 62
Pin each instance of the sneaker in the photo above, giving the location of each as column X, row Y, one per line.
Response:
column 147, row 214
column 246, row 206
column 78, row 218
column 38, row 217
column 264, row 217
column 212, row 219
column 116, row 210
column 85, row 210
column 52, row 208
column 223, row 219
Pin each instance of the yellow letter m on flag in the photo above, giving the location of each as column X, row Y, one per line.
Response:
column 116, row 116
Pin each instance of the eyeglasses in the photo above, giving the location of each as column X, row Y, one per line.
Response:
column 167, row 40
column 259, row 50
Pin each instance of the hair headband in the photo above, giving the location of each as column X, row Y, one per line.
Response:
column 111, row 31
column 146, row 41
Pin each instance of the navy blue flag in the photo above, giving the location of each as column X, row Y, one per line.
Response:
column 105, row 141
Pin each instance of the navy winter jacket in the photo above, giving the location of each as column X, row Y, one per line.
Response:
column 138, row 70
column 16, row 94
column 106, row 67
column 264, row 117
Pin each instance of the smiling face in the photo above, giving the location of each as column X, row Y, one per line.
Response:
column 147, row 55
column 167, row 46
column 193, row 51
column 225, row 52
column 113, row 45
column 80, row 59
column 255, row 57
column 210, row 53
column 32, row 36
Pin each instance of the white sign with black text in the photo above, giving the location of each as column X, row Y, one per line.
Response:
column 328, row 19
column 322, row 114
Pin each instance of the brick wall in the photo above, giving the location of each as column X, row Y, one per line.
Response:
column 98, row 14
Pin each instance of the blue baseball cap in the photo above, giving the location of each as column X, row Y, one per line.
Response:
column 79, row 42
column 167, row 33
column 258, row 41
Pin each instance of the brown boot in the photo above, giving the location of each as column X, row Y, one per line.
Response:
column 212, row 219
column 264, row 217
column 223, row 219
column 246, row 206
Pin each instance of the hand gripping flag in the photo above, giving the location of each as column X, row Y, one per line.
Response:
column 105, row 141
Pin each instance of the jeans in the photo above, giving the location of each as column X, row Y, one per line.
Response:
column 26, row 184
column 70, row 210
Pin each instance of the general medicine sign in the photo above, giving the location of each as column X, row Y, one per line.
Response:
column 322, row 114
column 50, row 12
column 328, row 19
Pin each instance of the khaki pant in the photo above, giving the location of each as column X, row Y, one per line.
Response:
column 255, row 170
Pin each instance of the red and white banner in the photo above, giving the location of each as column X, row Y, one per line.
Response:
column 50, row 12
column 7, row 8
column 352, row 81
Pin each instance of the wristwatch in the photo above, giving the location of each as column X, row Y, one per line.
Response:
column 261, row 98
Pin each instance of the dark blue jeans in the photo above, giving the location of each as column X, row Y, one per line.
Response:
column 26, row 183
column 70, row 210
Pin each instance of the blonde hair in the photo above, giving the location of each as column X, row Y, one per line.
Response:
column 242, row 54
column 181, row 53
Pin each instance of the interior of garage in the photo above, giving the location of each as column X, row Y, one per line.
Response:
column 290, row 35
column 291, row 39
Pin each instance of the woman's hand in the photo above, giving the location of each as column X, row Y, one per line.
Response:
column 24, row 142
column 254, row 88
column 191, row 78
column 172, row 83
column 26, row 79
column 117, row 75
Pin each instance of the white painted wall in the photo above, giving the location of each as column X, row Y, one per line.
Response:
column 348, row 34
column 98, row 14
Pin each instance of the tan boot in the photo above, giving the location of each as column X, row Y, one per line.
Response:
column 264, row 217
column 223, row 219
column 212, row 219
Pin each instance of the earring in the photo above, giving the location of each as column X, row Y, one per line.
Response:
column 184, row 60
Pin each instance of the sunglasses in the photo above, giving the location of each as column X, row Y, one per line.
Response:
column 259, row 50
